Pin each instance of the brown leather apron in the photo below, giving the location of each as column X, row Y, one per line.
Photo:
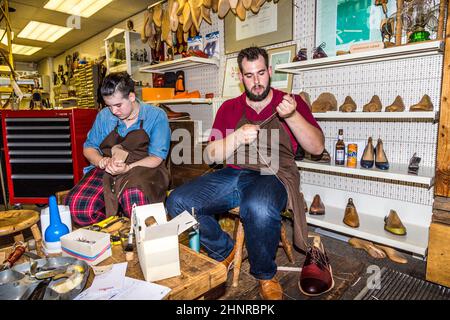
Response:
column 257, row 159
column 152, row 181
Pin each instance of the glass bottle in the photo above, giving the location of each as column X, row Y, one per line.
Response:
column 339, row 153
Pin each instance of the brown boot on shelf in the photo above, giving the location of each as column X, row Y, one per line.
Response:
column 348, row 106
column 425, row 104
column 374, row 105
column 325, row 102
column 368, row 246
column 317, row 207
column 305, row 96
column 396, row 106
column 393, row 224
column 393, row 254
column 351, row 217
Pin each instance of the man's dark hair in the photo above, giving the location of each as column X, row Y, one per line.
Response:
column 252, row 54
column 117, row 82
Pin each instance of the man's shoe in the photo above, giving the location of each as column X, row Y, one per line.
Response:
column 316, row 277
column 368, row 156
column 393, row 224
column 381, row 161
column 270, row 289
column 425, row 104
column 396, row 106
column 348, row 106
column 172, row 115
column 374, row 105
column 228, row 261
column 317, row 207
column 351, row 217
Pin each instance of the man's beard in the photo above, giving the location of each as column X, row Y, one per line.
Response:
column 258, row 97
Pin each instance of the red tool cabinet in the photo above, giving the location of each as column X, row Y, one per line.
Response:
column 44, row 151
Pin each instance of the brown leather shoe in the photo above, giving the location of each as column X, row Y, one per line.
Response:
column 348, row 106
column 396, row 106
column 425, row 104
column 228, row 261
column 374, row 105
column 317, row 207
column 173, row 115
column 325, row 102
column 270, row 289
column 351, row 217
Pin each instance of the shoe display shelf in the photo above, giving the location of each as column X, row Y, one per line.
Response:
column 371, row 211
column 182, row 101
column 183, row 63
column 336, row 115
column 422, row 49
column 397, row 172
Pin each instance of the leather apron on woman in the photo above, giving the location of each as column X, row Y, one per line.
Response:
column 287, row 172
column 153, row 182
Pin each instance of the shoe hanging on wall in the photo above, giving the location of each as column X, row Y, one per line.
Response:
column 351, row 217
column 368, row 157
column 424, row 104
column 316, row 277
column 348, row 106
column 381, row 161
column 396, row 106
column 393, row 224
column 374, row 105
column 317, row 207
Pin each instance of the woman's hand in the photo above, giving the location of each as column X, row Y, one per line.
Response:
column 116, row 167
column 103, row 163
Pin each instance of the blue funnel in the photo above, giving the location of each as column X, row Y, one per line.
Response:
column 56, row 229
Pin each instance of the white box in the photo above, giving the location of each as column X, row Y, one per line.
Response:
column 64, row 213
column 157, row 245
column 93, row 253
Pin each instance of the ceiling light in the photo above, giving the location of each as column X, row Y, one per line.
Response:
column 83, row 8
column 5, row 37
column 25, row 50
column 43, row 31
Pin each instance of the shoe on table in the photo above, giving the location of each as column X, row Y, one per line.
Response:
column 393, row 224
column 316, row 277
column 270, row 289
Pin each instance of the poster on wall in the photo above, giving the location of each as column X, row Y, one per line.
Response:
column 281, row 80
column 232, row 86
column 342, row 23
column 272, row 24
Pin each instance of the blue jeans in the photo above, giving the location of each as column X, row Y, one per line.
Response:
column 261, row 199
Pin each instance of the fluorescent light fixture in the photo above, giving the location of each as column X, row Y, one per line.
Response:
column 82, row 8
column 25, row 50
column 43, row 31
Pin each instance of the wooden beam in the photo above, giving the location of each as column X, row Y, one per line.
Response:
column 442, row 186
column 399, row 23
column 440, row 31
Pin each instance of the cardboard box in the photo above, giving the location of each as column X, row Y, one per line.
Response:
column 157, row 245
column 152, row 94
column 94, row 248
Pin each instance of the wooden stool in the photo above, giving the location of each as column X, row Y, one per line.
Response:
column 240, row 237
column 14, row 221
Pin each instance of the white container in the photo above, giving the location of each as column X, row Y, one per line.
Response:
column 64, row 213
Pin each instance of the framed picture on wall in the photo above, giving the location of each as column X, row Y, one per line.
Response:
column 342, row 23
column 271, row 25
column 232, row 86
column 281, row 80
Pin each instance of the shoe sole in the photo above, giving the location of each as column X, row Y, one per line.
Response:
column 317, row 294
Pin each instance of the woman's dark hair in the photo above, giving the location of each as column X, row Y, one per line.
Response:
column 117, row 82
column 252, row 54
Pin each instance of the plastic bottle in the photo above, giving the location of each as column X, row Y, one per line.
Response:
column 56, row 229
column 194, row 236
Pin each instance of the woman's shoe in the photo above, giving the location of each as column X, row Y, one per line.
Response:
column 396, row 106
column 368, row 157
column 381, row 161
column 393, row 224
column 351, row 215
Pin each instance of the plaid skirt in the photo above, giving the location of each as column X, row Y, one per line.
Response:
column 87, row 204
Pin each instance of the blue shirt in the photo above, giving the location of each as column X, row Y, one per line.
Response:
column 155, row 123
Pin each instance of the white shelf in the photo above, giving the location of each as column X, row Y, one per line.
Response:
column 182, row 101
column 431, row 115
column 399, row 52
column 398, row 172
column 183, row 63
column 372, row 228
